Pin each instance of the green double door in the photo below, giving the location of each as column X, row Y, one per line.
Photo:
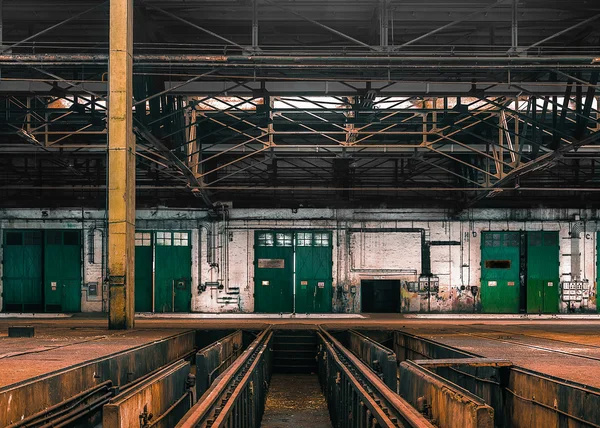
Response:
column 519, row 272
column 163, row 270
column 293, row 272
column 500, row 285
column 42, row 271
column 542, row 272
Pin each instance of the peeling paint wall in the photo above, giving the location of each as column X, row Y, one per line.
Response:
column 367, row 244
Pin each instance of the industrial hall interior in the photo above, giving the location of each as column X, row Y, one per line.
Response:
column 299, row 213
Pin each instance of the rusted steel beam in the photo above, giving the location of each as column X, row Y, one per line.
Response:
column 381, row 359
column 25, row 398
column 160, row 400
column 449, row 404
column 214, row 359
column 410, row 347
column 535, row 399
column 254, row 362
column 397, row 410
column 473, row 362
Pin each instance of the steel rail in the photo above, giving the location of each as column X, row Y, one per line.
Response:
column 390, row 408
column 216, row 401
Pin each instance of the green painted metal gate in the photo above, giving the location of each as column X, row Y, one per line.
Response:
column 273, row 271
column 42, row 271
column 281, row 256
column 314, row 282
column 62, row 271
column 542, row 272
column 500, row 252
column 163, row 270
column 22, row 271
column 144, row 258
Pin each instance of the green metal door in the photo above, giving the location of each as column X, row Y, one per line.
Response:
column 273, row 271
column 313, row 272
column 143, row 271
column 173, row 272
column 542, row 272
column 62, row 271
column 22, row 271
column 500, row 272
column 597, row 270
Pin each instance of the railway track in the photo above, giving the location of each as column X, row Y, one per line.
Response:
column 357, row 397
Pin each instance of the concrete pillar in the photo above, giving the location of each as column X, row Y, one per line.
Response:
column 121, row 167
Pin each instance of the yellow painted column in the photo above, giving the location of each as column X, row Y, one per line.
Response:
column 121, row 167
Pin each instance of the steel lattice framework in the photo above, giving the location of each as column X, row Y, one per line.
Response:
column 305, row 103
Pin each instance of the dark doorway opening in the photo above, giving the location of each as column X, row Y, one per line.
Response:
column 380, row 296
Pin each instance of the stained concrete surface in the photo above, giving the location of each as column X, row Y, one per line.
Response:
column 571, row 336
column 55, row 348
column 295, row 400
column 570, row 352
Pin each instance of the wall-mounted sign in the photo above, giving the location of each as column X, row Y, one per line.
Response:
column 492, row 283
column 303, row 283
column 265, row 283
column 511, row 283
column 321, row 284
column 271, row 263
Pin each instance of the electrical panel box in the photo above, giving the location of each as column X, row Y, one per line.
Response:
column 575, row 291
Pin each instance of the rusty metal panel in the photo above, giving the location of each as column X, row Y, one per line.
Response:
column 534, row 399
column 160, row 400
column 410, row 347
column 447, row 403
column 381, row 359
column 121, row 368
column 212, row 360
column 237, row 397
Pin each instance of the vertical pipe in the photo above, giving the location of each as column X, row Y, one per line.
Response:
column 1, row 22
column 121, row 168
column 515, row 27
column 255, row 25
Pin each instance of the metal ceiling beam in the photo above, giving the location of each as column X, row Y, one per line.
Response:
column 444, row 27
column 332, row 30
column 193, row 181
column 560, row 33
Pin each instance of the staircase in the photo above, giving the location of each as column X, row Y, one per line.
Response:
column 295, row 351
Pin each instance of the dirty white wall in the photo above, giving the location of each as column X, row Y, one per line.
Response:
column 368, row 244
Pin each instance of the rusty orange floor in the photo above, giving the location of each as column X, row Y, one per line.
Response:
column 56, row 346
column 569, row 349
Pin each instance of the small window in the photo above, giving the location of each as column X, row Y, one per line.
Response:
column 321, row 239
column 33, row 237
column 497, row 264
column 142, row 239
column 551, row 239
column 163, row 238
column 304, row 239
column 180, row 239
column 53, row 237
column 283, row 239
column 265, row 239
column 535, row 239
column 511, row 240
column 14, row 238
column 488, row 240
column 71, row 238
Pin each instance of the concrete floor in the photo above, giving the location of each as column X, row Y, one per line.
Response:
column 58, row 345
column 564, row 348
column 295, row 401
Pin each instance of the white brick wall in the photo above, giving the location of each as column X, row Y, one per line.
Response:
column 356, row 255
